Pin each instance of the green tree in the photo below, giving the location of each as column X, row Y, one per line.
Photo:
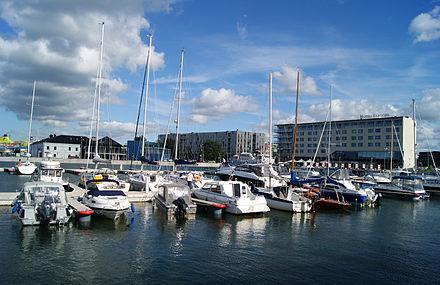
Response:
column 213, row 150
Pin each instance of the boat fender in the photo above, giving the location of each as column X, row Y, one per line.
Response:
column 19, row 164
column 15, row 208
column 132, row 208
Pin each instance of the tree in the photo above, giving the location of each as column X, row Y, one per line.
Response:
column 213, row 150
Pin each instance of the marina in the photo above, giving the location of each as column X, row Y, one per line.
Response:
column 382, row 243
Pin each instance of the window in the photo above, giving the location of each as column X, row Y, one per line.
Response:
column 353, row 144
column 370, row 124
column 379, row 123
column 377, row 137
column 309, row 139
column 370, row 130
column 70, row 148
column 362, row 124
column 388, row 137
column 353, row 138
column 397, row 129
column 388, row 130
column 377, row 130
column 370, row 137
column 370, row 144
column 344, row 138
column 360, row 131
column 360, row 144
column 338, row 138
column 309, row 133
column 354, row 124
column 353, row 131
column 344, row 144
column 76, row 149
column 47, row 147
column 54, row 148
column 344, row 132
column 377, row 144
column 360, row 138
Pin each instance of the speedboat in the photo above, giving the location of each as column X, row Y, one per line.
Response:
column 108, row 201
column 236, row 195
column 42, row 203
column 407, row 186
column 259, row 174
column 175, row 199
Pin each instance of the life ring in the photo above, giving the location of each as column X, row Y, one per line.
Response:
column 19, row 164
column 197, row 179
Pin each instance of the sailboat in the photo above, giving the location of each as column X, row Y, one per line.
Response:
column 27, row 167
column 104, row 196
column 284, row 198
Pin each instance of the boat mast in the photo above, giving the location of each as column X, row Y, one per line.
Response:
column 391, row 148
column 30, row 120
column 415, row 137
column 99, row 88
column 270, row 118
column 296, row 122
column 329, row 131
column 146, row 96
column 178, row 105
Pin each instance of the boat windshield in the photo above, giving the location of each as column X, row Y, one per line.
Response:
column 176, row 192
column 51, row 173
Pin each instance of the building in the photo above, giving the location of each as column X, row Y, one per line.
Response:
column 426, row 159
column 152, row 151
column 58, row 146
column 233, row 142
column 66, row 146
column 366, row 140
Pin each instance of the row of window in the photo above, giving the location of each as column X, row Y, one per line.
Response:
column 55, row 148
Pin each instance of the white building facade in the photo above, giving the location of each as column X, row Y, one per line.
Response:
column 364, row 140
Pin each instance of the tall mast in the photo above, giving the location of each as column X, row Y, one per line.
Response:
column 270, row 118
column 146, row 96
column 329, row 131
column 99, row 87
column 30, row 120
column 296, row 122
column 391, row 148
column 178, row 105
column 415, row 137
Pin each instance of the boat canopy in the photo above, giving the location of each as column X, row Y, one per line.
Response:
column 96, row 193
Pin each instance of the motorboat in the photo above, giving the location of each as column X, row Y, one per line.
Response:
column 108, row 201
column 51, row 171
column 286, row 199
column 42, row 203
column 236, row 195
column 405, row 186
column 431, row 183
column 175, row 200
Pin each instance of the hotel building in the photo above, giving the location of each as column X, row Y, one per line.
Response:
column 366, row 140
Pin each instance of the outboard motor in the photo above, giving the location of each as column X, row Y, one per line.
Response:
column 181, row 206
column 45, row 210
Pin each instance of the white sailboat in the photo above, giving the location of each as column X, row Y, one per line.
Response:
column 283, row 198
column 104, row 196
column 27, row 167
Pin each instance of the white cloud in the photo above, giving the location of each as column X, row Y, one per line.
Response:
column 214, row 105
column 426, row 26
column 428, row 107
column 287, row 77
column 57, row 44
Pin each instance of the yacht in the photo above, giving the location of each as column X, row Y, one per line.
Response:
column 42, row 203
column 286, row 199
column 236, row 195
column 175, row 199
column 25, row 168
column 406, row 186
column 259, row 174
column 103, row 179
column 107, row 200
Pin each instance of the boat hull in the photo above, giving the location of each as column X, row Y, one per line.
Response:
column 287, row 205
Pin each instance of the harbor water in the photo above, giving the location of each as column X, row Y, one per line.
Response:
column 397, row 242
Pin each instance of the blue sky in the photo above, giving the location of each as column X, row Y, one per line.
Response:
column 377, row 55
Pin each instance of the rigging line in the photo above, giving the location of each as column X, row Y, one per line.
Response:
column 139, row 110
column 398, row 142
column 168, row 127
column 427, row 141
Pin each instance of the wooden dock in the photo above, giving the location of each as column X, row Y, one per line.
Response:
column 6, row 198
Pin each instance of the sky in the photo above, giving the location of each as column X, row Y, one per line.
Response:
column 375, row 55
